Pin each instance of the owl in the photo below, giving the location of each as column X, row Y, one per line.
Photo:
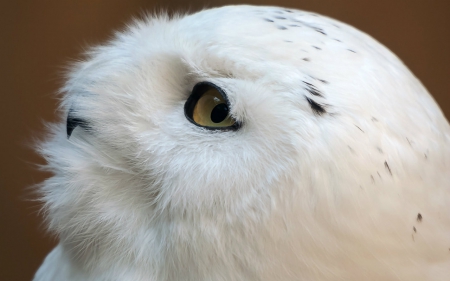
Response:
column 246, row 143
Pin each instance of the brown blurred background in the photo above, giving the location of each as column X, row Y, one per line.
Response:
column 39, row 38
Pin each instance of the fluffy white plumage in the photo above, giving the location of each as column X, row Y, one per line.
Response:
column 339, row 171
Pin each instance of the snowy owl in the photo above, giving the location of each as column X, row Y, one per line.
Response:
column 246, row 143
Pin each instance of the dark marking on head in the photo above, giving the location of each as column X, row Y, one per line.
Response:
column 269, row 20
column 351, row 51
column 336, row 25
column 289, row 11
column 359, row 128
column 373, row 180
column 379, row 174
column 306, row 59
column 280, row 17
column 281, row 27
column 294, row 25
column 312, row 89
column 379, row 150
column 414, row 228
column 278, row 12
column 288, row 41
column 337, row 40
column 320, row 30
column 374, row 119
column 317, row 48
column 386, row 165
column 419, row 217
column 317, row 108
column 426, row 157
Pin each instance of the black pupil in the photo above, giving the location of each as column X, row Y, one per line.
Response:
column 219, row 113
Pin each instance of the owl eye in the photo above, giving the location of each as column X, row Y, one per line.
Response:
column 208, row 107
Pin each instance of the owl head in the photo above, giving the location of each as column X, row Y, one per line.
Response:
column 237, row 143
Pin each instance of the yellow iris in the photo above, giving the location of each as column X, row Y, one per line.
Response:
column 211, row 110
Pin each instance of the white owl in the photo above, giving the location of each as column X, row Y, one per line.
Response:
column 247, row 143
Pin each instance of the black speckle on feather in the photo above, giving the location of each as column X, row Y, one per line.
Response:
column 419, row 217
column 317, row 108
column 351, row 149
column 320, row 30
column 386, row 165
column 312, row 89
column 409, row 141
column 359, row 128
